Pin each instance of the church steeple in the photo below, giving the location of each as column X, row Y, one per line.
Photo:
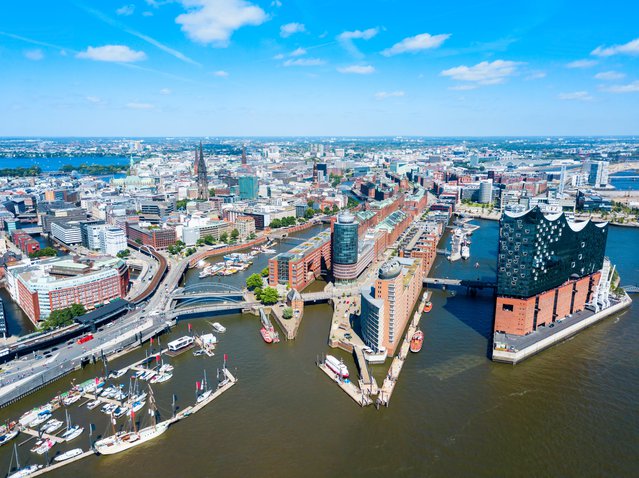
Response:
column 202, row 176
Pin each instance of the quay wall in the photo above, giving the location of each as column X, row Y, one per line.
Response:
column 523, row 354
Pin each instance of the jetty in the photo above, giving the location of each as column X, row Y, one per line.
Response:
column 385, row 393
column 352, row 390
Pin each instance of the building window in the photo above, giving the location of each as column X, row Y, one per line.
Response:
column 507, row 307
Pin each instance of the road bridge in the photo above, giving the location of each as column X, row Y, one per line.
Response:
column 470, row 283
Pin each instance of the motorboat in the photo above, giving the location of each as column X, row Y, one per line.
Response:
column 136, row 406
column 67, row 455
column 266, row 335
column 93, row 404
column 71, row 399
column 219, row 328
column 117, row 373
column 51, row 426
column 161, row 378
column 26, row 471
column 40, row 419
column 428, row 306
column 7, row 437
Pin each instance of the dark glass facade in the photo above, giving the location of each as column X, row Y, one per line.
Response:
column 538, row 252
column 345, row 239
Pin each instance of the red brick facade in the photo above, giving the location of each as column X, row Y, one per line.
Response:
column 523, row 316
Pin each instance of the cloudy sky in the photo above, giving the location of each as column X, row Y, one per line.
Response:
column 329, row 67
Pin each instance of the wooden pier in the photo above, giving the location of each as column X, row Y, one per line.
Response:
column 57, row 465
column 37, row 434
column 385, row 393
column 350, row 388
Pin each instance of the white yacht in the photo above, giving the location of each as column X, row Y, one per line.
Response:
column 67, row 455
column 219, row 328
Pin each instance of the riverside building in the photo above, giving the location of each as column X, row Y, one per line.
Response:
column 386, row 307
column 548, row 269
column 54, row 284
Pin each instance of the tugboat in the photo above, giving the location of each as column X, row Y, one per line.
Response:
column 428, row 306
column 417, row 341
column 266, row 335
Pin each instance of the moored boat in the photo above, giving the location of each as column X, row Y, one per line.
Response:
column 7, row 437
column 219, row 328
column 417, row 341
column 428, row 306
column 26, row 471
column 93, row 404
column 266, row 335
column 336, row 366
column 73, row 432
column 67, row 455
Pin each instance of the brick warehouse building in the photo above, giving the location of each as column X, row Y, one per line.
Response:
column 547, row 268
column 303, row 264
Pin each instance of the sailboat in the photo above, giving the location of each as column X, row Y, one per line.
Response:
column 121, row 441
column 22, row 472
column 206, row 393
column 72, row 431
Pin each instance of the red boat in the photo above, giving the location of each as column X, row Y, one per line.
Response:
column 417, row 341
column 266, row 335
column 428, row 306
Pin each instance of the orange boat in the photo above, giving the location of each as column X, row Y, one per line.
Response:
column 266, row 335
column 428, row 306
column 417, row 341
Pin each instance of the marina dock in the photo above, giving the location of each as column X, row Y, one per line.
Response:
column 55, row 465
column 37, row 434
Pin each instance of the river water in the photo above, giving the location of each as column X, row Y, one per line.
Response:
column 568, row 412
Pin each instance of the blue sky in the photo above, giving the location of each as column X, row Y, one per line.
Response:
column 323, row 67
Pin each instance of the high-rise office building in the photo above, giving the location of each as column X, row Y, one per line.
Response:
column 387, row 306
column 244, row 161
column 345, row 239
column 249, row 187
column 598, row 174
column 486, row 191
column 547, row 268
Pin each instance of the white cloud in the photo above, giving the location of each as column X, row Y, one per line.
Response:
column 298, row 52
column 147, row 14
column 34, row 55
column 357, row 69
column 276, row 3
column 166, row 91
column 125, row 10
column 536, row 75
column 630, row 48
column 95, row 100
column 610, row 75
column 423, row 41
column 463, row 87
column 221, row 73
column 304, row 62
column 628, row 88
column 575, row 96
column 214, row 21
column 134, row 105
column 291, row 28
column 581, row 64
column 119, row 53
column 279, row 56
column 358, row 34
column 484, row 73
column 382, row 95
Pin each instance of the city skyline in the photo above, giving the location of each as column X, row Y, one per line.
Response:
column 285, row 69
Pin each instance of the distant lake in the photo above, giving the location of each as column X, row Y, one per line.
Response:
column 54, row 164
column 625, row 180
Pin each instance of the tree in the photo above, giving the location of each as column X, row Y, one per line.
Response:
column 310, row 212
column 181, row 204
column 287, row 313
column 254, row 281
column 252, row 236
column 209, row 239
column 327, row 211
column 224, row 238
column 269, row 296
column 264, row 272
column 138, row 241
column 257, row 292
column 124, row 253
column 212, row 192
column 46, row 252
column 234, row 235
column 335, row 209
column 63, row 317
column 351, row 203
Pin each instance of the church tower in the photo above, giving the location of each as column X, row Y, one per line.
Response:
column 202, row 178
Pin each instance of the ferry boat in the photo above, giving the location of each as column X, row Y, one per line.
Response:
column 455, row 245
column 266, row 335
column 417, row 341
column 219, row 328
column 428, row 306
column 67, row 455
column 180, row 343
column 336, row 366
column 465, row 250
